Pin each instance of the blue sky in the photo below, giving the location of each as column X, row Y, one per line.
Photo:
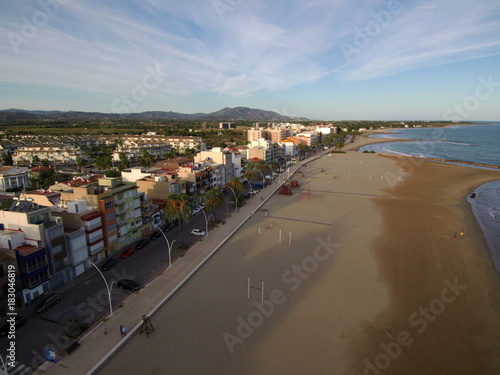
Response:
column 322, row 59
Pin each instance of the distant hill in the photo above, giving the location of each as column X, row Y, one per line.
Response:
column 225, row 114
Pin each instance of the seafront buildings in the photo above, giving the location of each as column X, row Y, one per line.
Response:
column 54, row 234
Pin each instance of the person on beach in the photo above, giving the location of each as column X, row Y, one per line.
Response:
column 462, row 233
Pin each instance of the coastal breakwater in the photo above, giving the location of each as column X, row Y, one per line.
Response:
column 481, row 165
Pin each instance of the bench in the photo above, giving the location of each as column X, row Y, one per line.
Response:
column 70, row 349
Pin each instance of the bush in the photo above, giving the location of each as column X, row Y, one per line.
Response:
column 73, row 328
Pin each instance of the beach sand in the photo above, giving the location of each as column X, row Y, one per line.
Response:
column 366, row 240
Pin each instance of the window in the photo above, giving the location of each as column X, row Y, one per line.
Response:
column 109, row 204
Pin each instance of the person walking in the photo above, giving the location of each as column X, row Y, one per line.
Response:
column 123, row 330
column 104, row 329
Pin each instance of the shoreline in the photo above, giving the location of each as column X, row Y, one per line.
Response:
column 393, row 220
column 421, row 252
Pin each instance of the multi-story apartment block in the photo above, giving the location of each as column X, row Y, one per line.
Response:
column 183, row 143
column 261, row 149
column 218, row 156
column 256, row 134
column 55, row 153
column 38, row 241
column 198, row 180
column 119, row 206
column 133, row 149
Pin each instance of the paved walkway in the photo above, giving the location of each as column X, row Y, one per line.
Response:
column 96, row 347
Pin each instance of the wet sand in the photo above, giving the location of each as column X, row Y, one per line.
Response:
column 366, row 241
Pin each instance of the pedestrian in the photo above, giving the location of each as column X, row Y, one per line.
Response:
column 455, row 236
column 121, row 330
column 124, row 331
column 462, row 233
column 104, row 329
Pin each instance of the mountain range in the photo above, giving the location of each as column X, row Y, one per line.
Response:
column 225, row 114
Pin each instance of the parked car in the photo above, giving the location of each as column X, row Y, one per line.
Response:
column 156, row 234
column 45, row 304
column 247, row 195
column 141, row 244
column 19, row 322
column 198, row 232
column 127, row 252
column 109, row 264
column 129, row 284
column 169, row 226
column 195, row 210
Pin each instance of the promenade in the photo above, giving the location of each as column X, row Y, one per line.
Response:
column 96, row 347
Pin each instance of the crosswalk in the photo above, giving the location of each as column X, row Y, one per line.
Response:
column 18, row 369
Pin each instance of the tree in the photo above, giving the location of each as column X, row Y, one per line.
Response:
column 80, row 162
column 214, row 200
column 274, row 165
column 124, row 161
column 146, row 159
column 178, row 209
column 35, row 160
column 235, row 184
column 7, row 158
column 103, row 162
column 45, row 162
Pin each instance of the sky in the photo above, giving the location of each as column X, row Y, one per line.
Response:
column 320, row 59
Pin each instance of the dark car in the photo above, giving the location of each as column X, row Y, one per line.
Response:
column 127, row 252
column 109, row 264
column 129, row 284
column 155, row 235
column 169, row 227
column 141, row 244
column 45, row 304
column 19, row 322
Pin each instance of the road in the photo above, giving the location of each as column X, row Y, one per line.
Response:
column 85, row 298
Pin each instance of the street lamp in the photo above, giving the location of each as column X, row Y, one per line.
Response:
column 235, row 198
column 169, row 244
column 206, row 221
column 107, row 287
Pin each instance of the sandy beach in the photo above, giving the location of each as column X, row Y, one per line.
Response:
column 362, row 274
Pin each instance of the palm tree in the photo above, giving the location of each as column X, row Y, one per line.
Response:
column 178, row 209
column 214, row 199
column 235, row 184
column 262, row 165
column 146, row 159
column 274, row 165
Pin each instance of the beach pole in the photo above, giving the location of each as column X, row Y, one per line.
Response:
column 259, row 230
column 290, row 239
column 280, row 235
column 262, row 298
column 248, row 288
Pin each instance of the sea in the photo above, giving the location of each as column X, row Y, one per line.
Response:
column 478, row 143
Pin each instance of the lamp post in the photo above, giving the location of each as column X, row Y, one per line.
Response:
column 235, row 198
column 108, row 288
column 169, row 244
column 206, row 221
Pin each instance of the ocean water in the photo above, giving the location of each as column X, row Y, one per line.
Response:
column 468, row 143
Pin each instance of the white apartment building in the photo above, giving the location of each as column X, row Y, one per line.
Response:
column 13, row 178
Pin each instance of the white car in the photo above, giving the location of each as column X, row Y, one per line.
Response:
column 198, row 232
column 195, row 210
